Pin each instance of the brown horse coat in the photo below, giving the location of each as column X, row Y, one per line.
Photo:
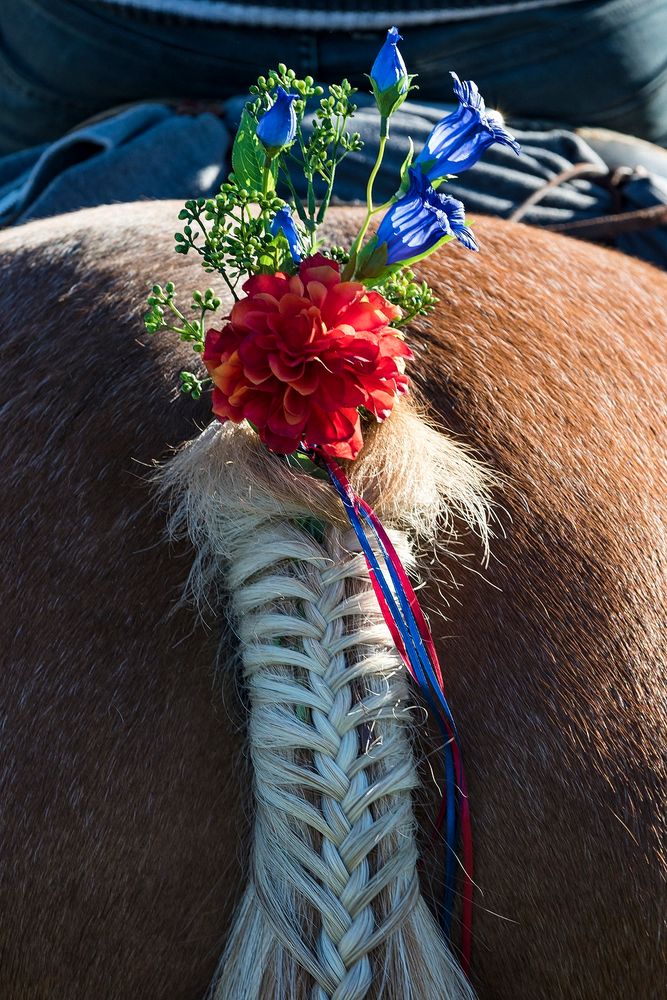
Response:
column 124, row 834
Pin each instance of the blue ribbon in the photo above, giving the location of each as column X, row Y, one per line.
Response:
column 424, row 672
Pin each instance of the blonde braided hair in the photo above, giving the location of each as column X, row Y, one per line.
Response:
column 333, row 909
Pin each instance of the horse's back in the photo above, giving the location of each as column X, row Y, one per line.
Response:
column 124, row 831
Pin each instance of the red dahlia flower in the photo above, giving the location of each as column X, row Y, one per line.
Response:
column 299, row 355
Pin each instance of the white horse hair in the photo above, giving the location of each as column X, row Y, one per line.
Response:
column 333, row 909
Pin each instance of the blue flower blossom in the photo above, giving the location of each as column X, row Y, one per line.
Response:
column 420, row 220
column 283, row 222
column 460, row 139
column 277, row 126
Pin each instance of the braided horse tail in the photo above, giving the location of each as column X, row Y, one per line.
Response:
column 333, row 908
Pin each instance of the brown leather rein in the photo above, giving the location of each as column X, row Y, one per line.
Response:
column 602, row 227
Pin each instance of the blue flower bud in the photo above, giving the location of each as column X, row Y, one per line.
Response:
column 389, row 76
column 389, row 68
column 283, row 222
column 459, row 140
column 415, row 224
column 277, row 126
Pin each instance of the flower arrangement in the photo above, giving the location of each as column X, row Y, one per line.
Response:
column 313, row 347
column 311, row 353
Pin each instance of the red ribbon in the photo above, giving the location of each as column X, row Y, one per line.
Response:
column 360, row 506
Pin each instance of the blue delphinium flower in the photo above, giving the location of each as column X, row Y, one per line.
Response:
column 417, row 222
column 283, row 222
column 459, row 140
column 389, row 76
column 277, row 126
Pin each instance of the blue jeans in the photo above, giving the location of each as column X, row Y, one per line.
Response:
column 62, row 61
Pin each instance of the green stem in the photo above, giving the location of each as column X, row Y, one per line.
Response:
column 324, row 207
column 190, row 328
column 229, row 284
column 298, row 204
column 406, row 319
column 309, row 177
column 174, row 329
column 311, row 201
column 212, row 246
column 384, row 134
column 385, row 205
column 266, row 175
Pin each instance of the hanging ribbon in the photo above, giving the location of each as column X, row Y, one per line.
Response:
column 412, row 637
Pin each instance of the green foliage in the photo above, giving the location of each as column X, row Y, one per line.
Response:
column 329, row 143
column 263, row 90
column 370, row 263
column 193, row 386
column 415, row 298
column 339, row 254
column 231, row 232
column 249, row 159
column 405, row 166
column 317, row 157
column 164, row 314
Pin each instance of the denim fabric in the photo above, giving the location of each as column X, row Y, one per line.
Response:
column 584, row 64
column 154, row 151
column 63, row 60
column 122, row 158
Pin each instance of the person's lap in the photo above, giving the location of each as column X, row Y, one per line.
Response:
column 584, row 63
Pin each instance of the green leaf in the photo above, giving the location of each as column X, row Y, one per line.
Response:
column 442, row 180
column 372, row 261
column 349, row 269
column 248, row 155
column 405, row 166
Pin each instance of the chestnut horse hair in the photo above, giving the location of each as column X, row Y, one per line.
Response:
column 137, row 843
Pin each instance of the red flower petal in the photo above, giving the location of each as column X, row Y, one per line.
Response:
column 283, row 445
column 299, row 355
column 228, row 374
column 320, row 268
column 349, row 448
column 309, row 381
column 255, row 359
column 218, row 345
column 274, row 284
column 337, row 392
column 292, row 305
column 223, row 410
column 258, row 406
column 250, row 315
column 325, row 427
column 379, row 302
column 317, row 292
column 393, row 346
column 285, row 368
column 339, row 299
column 296, row 408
